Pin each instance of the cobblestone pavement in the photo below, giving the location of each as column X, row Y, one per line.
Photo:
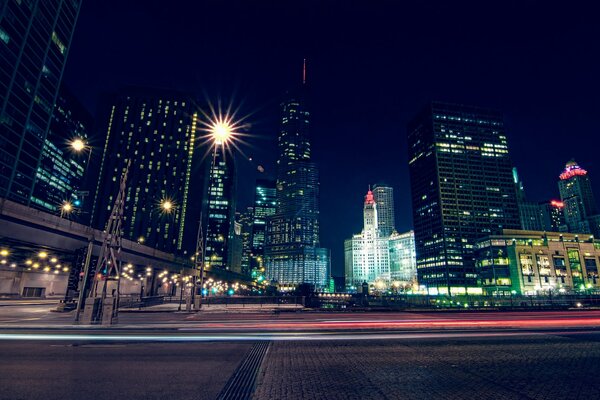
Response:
column 532, row 367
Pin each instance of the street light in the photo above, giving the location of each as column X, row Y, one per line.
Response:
column 221, row 131
column 78, row 145
column 66, row 208
column 167, row 206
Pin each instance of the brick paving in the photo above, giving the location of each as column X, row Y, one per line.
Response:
column 532, row 367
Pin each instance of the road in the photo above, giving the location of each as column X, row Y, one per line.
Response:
column 443, row 355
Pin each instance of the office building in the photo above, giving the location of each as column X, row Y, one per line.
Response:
column 579, row 203
column 35, row 37
column 155, row 131
column 384, row 197
column 367, row 255
column 61, row 171
column 292, row 252
column 403, row 259
column 220, row 208
column 530, row 263
column 462, row 189
column 246, row 220
column 553, row 216
column 265, row 205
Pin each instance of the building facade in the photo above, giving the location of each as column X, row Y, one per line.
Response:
column 265, row 206
column 61, row 171
column 292, row 251
column 367, row 255
column 386, row 216
column 529, row 263
column 578, row 198
column 462, row 189
column 220, row 208
column 35, row 37
column 155, row 131
column 403, row 259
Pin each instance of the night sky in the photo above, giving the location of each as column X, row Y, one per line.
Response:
column 371, row 66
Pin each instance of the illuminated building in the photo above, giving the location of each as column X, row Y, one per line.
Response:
column 367, row 257
column 35, row 37
column 246, row 220
column 155, row 130
column 553, row 216
column 292, row 252
column 384, row 197
column 529, row 263
column 61, row 171
column 220, row 208
column 462, row 189
column 529, row 212
column 265, row 205
column 403, row 258
column 579, row 203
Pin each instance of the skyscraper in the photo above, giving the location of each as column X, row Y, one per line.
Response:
column 462, row 189
column 576, row 194
column 60, row 173
column 367, row 253
column 384, row 197
column 35, row 37
column 553, row 216
column 246, row 220
column 220, row 207
column 265, row 205
column 292, row 252
column 155, row 130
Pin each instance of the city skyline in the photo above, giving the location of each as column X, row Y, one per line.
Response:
column 261, row 78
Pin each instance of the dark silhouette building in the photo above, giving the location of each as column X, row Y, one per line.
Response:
column 292, row 252
column 155, row 130
column 462, row 189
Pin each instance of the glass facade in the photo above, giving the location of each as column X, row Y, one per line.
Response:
column 35, row 37
column 462, row 189
column 292, row 252
column 155, row 130
column 61, row 171
column 265, row 205
column 384, row 197
column 220, row 206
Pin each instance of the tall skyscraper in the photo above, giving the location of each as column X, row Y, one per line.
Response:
column 220, row 208
column 462, row 189
column 367, row 253
column 155, row 130
column 246, row 220
column 265, row 205
column 384, row 197
column 60, row 173
column 35, row 37
column 292, row 252
column 576, row 194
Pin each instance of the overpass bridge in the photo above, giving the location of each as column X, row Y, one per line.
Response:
column 41, row 255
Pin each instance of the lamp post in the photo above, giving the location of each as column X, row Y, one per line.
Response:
column 79, row 146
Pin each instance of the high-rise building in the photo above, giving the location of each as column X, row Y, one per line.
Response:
column 579, row 203
column 553, row 216
column 246, row 220
column 265, row 205
column 60, row 173
column 403, row 258
column 155, row 131
column 292, row 252
column 384, row 197
column 220, row 207
column 35, row 37
column 367, row 255
column 462, row 189
column 529, row 211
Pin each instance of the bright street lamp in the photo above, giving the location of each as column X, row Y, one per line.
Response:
column 221, row 132
column 77, row 145
column 66, row 208
column 167, row 206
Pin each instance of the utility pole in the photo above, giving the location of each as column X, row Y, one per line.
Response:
column 103, row 308
column 199, row 267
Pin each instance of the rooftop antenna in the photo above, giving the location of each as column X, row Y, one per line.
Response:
column 304, row 72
